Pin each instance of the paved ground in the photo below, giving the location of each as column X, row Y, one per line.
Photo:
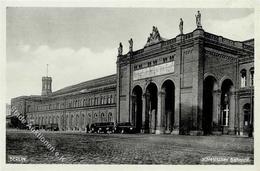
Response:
column 84, row 148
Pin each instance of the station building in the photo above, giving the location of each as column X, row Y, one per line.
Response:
column 195, row 83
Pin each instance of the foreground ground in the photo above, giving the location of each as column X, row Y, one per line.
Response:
column 85, row 148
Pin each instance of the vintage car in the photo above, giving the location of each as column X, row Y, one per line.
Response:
column 36, row 126
column 52, row 127
column 124, row 127
column 102, row 127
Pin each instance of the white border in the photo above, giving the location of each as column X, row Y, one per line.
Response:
column 136, row 4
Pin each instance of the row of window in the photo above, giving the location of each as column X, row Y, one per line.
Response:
column 93, row 101
column 154, row 62
column 243, row 80
column 52, row 119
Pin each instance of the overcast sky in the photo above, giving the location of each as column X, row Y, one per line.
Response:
column 80, row 44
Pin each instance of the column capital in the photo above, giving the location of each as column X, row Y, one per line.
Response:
column 162, row 92
column 217, row 91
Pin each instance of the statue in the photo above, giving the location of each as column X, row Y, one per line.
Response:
column 198, row 20
column 120, row 49
column 130, row 45
column 154, row 37
column 181, row 26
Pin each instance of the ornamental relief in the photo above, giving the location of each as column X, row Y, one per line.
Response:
column 217, row 55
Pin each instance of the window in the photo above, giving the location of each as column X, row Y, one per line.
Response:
column 165, row 60
column 155, row 62
column 135, row 67
column 149, row 64
column 172, row 58
column 243, row 78
column 110, row 118
column 140, row 66
column 246, row 109
column 252, row 77
column 108, row 100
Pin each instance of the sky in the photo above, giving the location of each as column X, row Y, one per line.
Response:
column 80, row 44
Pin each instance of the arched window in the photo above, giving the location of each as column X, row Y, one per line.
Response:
column 102, row 117
column 110, row 118
column 92, row 101
column 243, row 78
column 112, row 99
column 108, row 99
column 246, row 109
column 252, row 71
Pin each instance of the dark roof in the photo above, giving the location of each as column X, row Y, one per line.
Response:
column 111, row 79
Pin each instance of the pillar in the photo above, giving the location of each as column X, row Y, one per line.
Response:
column 231, row 128
column 143, row 112
column 216, row 110
column 159, row 114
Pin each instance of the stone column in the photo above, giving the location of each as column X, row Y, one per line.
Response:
column 143, row 112
column 163, row 116
column 231, row 127
column 159, row 114
column 216, row 110
column 134, row 108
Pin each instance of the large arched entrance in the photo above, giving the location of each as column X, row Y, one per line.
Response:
column 168, row 100
column 137, row 108
column 151, row 108
column 226, row 103
column 209, row 85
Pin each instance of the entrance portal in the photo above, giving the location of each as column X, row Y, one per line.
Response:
column 151, row 108
column 137, row 108
column 209, row 85
column 226, row 90
column 168, row 100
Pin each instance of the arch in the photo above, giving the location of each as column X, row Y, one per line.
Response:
column 168, row 105
column 150, row 83
column 166, row 79
column 223, row 79
column 137, row 93
column 227, row 103
column 209, row 103
column 151, row 98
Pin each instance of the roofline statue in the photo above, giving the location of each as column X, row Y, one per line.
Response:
column 130, row 45
column 120, row 49
column 181, row 26
column 154, row 37
column 198, row 20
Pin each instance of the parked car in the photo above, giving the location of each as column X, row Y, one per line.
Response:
column 36, row 126
column 52, row 127
column 124, row 127
column 102, row 127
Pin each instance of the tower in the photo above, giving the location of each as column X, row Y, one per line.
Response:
column 46, row 84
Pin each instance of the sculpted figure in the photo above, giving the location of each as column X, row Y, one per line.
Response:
column 120, row 49
column 130, row 45
column 181, row 26
column 198, row 19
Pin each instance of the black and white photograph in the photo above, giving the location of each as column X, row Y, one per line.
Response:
column 129, row 85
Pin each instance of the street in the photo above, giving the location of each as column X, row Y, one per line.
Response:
column 82, row 148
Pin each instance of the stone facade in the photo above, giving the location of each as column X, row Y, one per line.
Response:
column 73, row 107
column 196, row 83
